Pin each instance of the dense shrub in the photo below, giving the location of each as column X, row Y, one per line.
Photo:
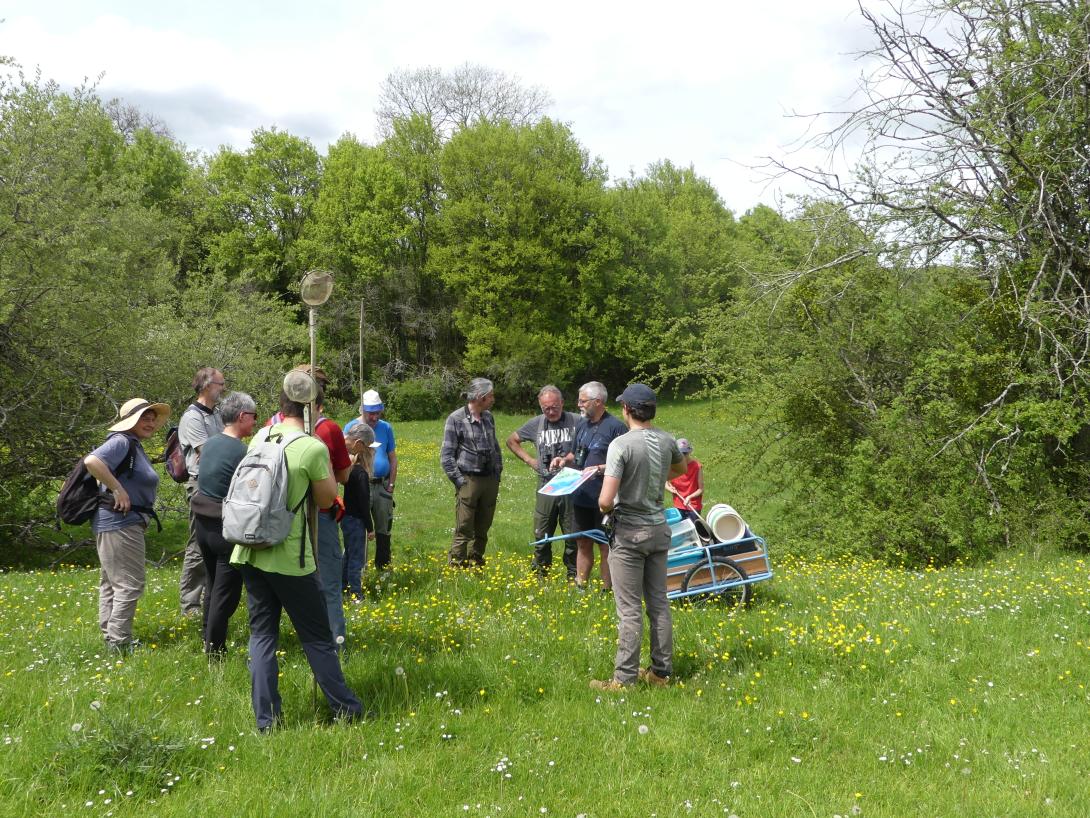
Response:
column 424, row 397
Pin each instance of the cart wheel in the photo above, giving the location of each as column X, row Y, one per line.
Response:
column 720, row 571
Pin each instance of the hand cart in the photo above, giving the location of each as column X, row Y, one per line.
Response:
column 729, row 569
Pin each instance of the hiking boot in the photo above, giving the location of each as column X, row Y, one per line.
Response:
column 648, row 676
column 123, row 648
column 608, row 686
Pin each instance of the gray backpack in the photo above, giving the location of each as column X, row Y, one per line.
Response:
column 255, row 510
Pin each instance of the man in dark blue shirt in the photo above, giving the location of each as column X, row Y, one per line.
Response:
column 595, row 431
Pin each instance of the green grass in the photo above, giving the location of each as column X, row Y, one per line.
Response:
column 846, row 688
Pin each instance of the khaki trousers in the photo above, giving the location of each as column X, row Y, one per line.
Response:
column 121, row 581
column 637, row 564
column 193, row 579
column 473, row 513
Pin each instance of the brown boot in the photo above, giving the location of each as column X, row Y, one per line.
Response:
column 648, row 676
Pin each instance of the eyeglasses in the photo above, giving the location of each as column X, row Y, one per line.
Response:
column 251, row 414
column 584, row 401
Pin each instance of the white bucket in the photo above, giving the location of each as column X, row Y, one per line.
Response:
column 726, row 524
column 683, row 535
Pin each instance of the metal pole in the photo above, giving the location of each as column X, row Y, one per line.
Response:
column 361, row 348
column 309, row 423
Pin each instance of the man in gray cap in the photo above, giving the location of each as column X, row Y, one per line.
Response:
column 470, row 457
column 638, row 464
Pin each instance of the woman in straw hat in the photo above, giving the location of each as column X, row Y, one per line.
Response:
column 122, row 466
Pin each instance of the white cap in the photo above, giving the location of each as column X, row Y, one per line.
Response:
column 371, row 401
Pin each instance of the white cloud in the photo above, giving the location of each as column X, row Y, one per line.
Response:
column 693, row 82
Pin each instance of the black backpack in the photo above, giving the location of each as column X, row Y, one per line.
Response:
column 80, row 495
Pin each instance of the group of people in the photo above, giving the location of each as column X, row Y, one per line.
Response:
column 308, row 585
column 632, row 460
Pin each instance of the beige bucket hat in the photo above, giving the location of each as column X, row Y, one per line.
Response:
column 134, row 408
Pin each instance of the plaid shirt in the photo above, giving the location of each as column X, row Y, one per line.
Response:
column 469, row 446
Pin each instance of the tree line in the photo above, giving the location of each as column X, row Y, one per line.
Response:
column 906, row 347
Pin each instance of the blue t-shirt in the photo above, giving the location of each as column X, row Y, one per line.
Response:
column 141, row 485
column 384, row 435
column 595, row 438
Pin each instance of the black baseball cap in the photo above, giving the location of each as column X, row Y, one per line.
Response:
column 637, row 393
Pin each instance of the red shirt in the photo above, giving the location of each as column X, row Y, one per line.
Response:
column 331, row 435
column 686, row 485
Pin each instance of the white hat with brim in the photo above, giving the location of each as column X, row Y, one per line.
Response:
column 134, row 408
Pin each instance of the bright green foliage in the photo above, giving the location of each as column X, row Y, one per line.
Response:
column 165, row 177
column 81, row 258
column 520, row 233
column 371, row 227
column 260, row 201
column 674, row 243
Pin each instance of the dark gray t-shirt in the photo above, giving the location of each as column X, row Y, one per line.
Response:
column 220, row 455
column 641, row 460
column 550, row 439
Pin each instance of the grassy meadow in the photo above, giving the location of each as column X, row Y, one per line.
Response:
column 847, row 688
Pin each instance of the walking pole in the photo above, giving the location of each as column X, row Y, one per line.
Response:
column 315, row 289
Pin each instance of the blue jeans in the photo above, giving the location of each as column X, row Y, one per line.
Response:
column 329, row 571
column 355, row 539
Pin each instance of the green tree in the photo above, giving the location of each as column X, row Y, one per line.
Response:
column 91, row 313
column 80, row 256
column 520, row 233
column 676, row 242
column 258, row 206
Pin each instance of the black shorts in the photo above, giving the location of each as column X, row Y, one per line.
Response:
column 586, row 518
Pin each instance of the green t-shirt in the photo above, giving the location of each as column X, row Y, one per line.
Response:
column 308, row 460
column 641, row 460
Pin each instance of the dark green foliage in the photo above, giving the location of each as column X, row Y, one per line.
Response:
column 90, row 313
column 424, row 397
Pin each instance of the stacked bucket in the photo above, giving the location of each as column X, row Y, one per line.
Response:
column 722, row 525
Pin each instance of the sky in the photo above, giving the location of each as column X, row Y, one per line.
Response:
column 714, row 85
